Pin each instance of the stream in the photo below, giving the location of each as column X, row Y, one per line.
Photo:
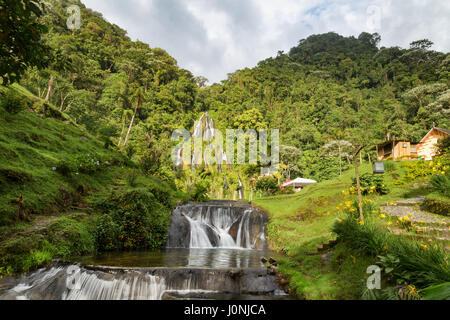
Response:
column 214, row 251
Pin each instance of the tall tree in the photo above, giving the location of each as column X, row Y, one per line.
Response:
column 21, row 45
column 139, row 97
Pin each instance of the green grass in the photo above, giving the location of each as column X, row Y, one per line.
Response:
column 437, row 203
column 30, row 146
column 61, row 207
column 64, row 237
column 301, row 222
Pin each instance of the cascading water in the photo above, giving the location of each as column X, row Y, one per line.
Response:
column 217, row 237
column 217, row 224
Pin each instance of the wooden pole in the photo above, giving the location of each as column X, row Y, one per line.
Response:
column 358, row 183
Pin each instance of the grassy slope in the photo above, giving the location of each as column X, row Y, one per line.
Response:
column 30, row 146
column 300, row 223
column 60, row 216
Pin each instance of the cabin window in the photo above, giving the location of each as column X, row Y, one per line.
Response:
column 413, row 148
column 405, row 145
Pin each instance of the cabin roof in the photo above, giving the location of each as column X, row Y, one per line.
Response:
column 445, row 131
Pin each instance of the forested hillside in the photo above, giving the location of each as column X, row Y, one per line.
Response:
column 334, row 89
column 127, row 93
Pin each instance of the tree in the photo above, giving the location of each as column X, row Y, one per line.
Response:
column 251, row 119
column 139, row 96
column 201, row 81
column 289, row 157
column 422, row 45
column 339, row 148
column 21, row 44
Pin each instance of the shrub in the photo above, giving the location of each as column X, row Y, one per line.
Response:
column 199, row 192
column 136, row 220
column 66, row 167
column 443, row 146
column 86, row 164
column 267, row 184
column 13, row 102
column 441, row 184
column 437, row 206
column 131, row 177
column 351, row 208
column 407, row 260
column 371, row 183
column 289, row 190
column 163, row 193
column 424, row 169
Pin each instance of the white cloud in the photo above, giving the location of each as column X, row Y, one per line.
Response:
column 216, row 37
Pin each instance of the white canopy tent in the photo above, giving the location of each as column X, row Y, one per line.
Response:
column 299, row 183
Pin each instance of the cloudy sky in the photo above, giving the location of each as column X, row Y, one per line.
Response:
column 216, row 37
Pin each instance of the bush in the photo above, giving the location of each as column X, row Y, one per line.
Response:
column 289, row 190
column 437, row 206
column 371, row 183
column 441, row 184
column 163, row 193
column 268, row 185
column 63, row 238
column 13, row 102
column 86, row 164
column 134, row 220
column 66, row 167
column 132, row 176
column 424, row 169
column 351, row 209
column 443, row 146
column 199, row 192
column 407, row 260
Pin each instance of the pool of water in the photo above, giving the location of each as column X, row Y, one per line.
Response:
column 193, row 258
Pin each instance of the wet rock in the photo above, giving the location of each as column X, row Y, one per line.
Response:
column 179, row 231
column 273, row 262
column 212, row 218
column 141, row 283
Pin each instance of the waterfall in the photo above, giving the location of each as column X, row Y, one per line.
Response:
column 107, row 283
column 241, row 189
column 215, row 234
column 217, row 224
column 137, row 287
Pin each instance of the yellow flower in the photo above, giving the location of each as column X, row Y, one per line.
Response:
column 424, row 246
column 382, row 216
column 340, row 220
column 389, row 223
column 361, row 223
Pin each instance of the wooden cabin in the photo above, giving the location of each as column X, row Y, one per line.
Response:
column 426, row 149
column 404, row 150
